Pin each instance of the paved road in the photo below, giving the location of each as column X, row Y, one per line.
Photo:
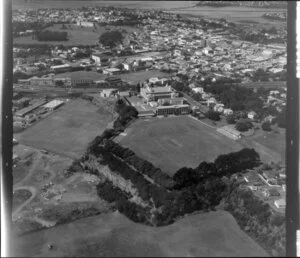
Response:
column 195, row 103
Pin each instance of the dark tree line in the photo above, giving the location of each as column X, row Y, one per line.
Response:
column 48, row 35
column 111, row 38
column 126, row 114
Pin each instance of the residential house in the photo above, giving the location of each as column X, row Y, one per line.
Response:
column 111, row 71
column 227, row 111
column 211, row 102
column 219, row 108
column 252, row 115
column 280, row 204
column 198, row 90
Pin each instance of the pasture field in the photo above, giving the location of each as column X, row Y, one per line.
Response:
column 19, row 197
column 175, row 142
column 68, row 130
column 113, row 235
column 77, row 35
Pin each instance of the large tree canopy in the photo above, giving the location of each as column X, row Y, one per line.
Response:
column 111, row 38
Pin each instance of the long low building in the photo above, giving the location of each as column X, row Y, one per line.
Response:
column 173, row 110
column 23, row 112
column 230, row 132
column 54, row 104
column 61, row 68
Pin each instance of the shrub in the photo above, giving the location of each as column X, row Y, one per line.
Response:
column 266, row 126
column 243, row 125
column 212, row 115
column 230, row 119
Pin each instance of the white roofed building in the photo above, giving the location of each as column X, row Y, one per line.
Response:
column 54, row 104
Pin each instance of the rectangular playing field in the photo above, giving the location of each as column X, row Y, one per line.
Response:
column 68, row 130
column 175, row 142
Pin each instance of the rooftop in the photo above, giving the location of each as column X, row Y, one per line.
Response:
column 166, row 89
column 53, row 103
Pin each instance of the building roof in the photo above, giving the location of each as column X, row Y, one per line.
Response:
column 109, row 90
column 54, row 103
column 26, row 110
column 173, row 106
column 112, row 69
column 280, row 201
column 60, row 66
column 165, row 89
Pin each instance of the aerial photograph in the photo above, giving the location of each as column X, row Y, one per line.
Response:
column 149, row 128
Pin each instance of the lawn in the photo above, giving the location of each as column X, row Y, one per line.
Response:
column 270, row 145
column 175, row 142
column 113, row 235
column 68, row 130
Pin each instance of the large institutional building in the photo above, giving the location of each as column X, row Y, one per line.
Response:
column 159, row 101
column 155, row 93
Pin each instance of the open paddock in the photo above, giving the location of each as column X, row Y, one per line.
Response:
column 175, row 142
column 68, row 130
column 113, row 235
column 19, row 197
column 77, row 35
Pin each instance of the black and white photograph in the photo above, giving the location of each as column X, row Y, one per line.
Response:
column 149, row 128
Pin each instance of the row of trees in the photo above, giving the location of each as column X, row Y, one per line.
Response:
column 195, row 189
column 224, row 165
column 143, row 166
column 201, row 188
column 126, row 114
column 18, row 26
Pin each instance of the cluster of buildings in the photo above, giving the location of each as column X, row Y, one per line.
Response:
column 159, row 100
column 163, row 43
column 268, row 184
column 195, row 53
column 26, row 110
column 85, row 16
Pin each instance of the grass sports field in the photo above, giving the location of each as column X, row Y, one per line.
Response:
column 68, row 130
column 175, row 142
column 135, row 77
column 113, row 235
column 142, row 76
